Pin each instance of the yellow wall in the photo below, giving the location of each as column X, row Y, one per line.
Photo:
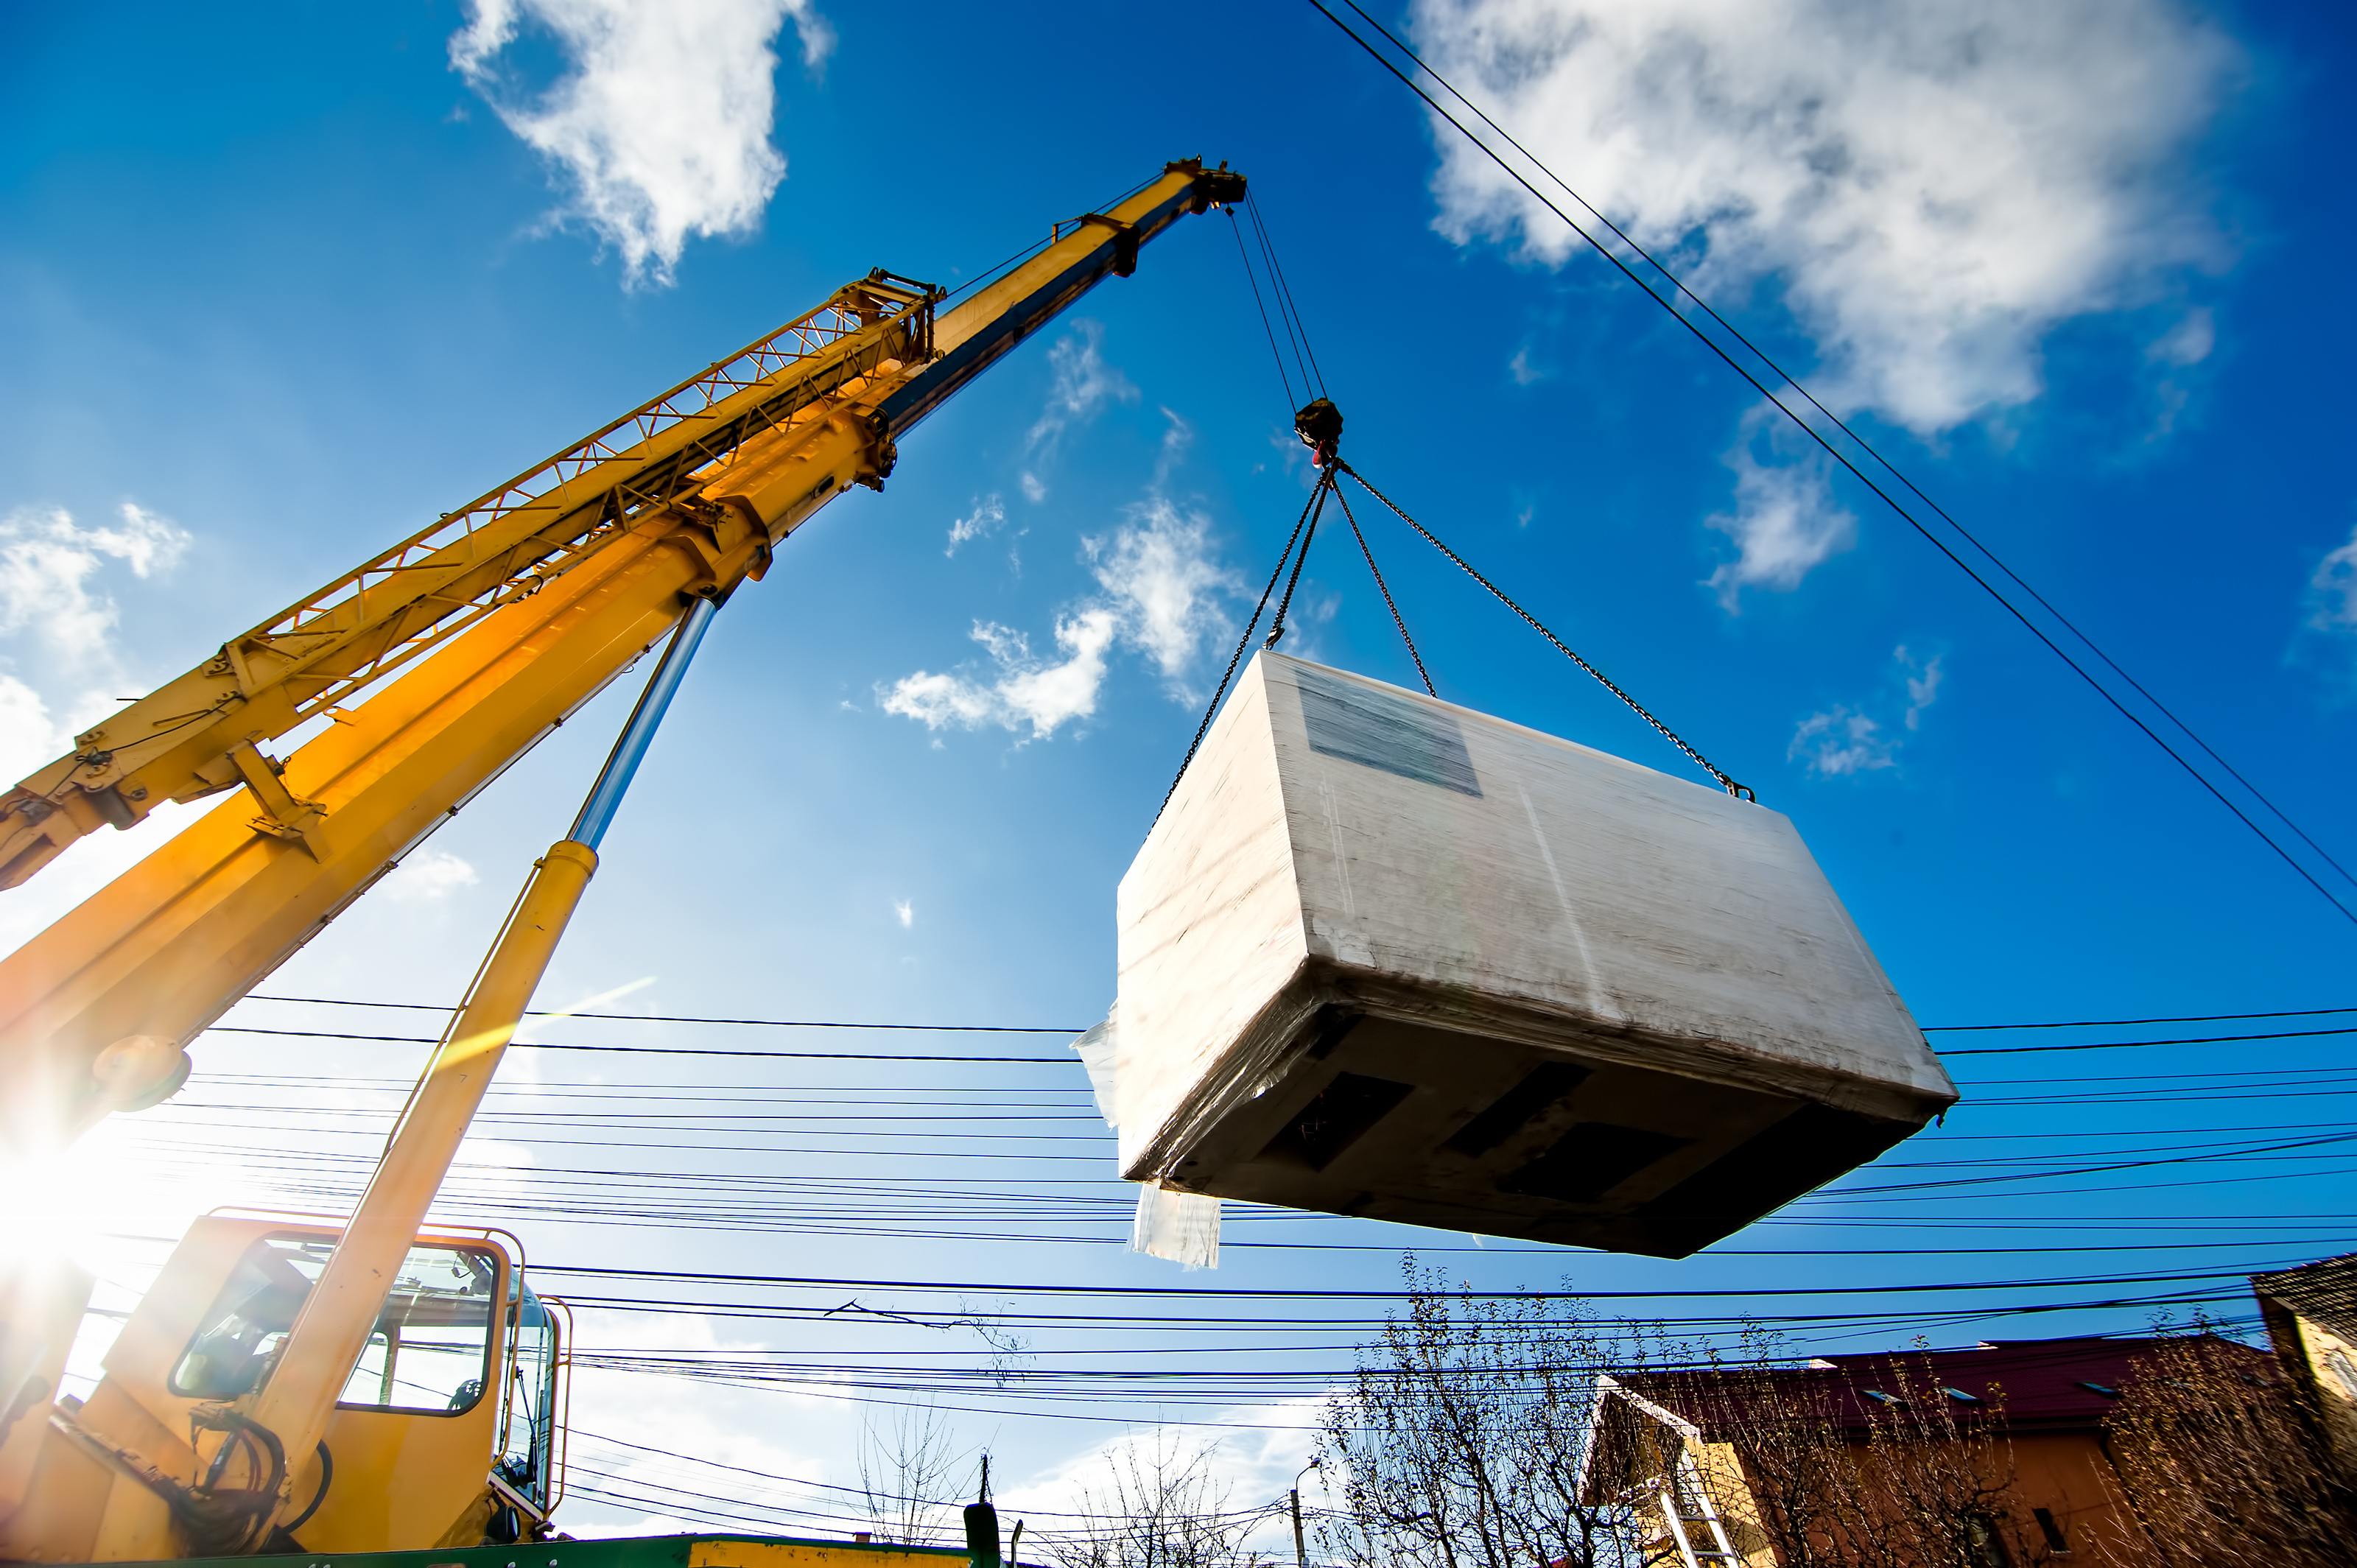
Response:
column 2336, row 1402
column 812, row 1555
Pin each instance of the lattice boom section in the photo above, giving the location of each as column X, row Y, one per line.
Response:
column 500, row 547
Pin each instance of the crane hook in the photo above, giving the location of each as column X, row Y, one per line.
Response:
column 1319, row 425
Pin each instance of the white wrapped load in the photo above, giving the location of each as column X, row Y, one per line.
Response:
column 1386, row 956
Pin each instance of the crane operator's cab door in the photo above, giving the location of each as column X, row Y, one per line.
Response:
column 445, row 1434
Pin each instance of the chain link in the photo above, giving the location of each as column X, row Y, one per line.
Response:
column 1385, row 588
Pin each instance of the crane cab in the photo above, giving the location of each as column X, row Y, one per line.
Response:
column 448, row 1432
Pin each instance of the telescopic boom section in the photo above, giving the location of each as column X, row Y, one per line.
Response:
column 501, row 621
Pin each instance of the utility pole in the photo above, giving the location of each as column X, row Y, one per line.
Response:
column 1300, row 1551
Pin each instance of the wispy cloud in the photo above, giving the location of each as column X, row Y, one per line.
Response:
column 1165, row 582
column 988, row 513
column 1081, row 383
column 2333, row 590
column 905, row 911
column 1847, row 739
column 1785, row 521
column 1931, row 188
column 660, row 128
column 1161, row 588
column 1043, row 694
column 1839, row 741
column 1922, row 678
column 429, row 875
column 47, row 561
column 58, row 622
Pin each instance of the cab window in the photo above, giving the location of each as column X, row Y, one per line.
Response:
column 428, row 1352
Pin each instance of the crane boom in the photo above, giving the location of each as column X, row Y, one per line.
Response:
column 438, row 664
column 501, row 621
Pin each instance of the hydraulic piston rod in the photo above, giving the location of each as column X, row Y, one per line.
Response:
column 341, row 1310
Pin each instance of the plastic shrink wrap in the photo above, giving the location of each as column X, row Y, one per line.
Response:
column 1386, row 956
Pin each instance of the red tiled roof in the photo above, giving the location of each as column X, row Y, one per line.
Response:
column 2046, row 1384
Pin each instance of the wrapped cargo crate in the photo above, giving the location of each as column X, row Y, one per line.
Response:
column 1386, row 956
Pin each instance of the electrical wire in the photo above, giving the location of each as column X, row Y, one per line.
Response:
column 1043, row 1029
column 2128, row 1023
column 663, row 1018
column 2346, row 911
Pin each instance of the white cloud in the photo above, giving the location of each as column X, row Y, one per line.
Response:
column 905, row 911
column 1265, row 1453
column 1045, row 694
column 1931, row 185
column 1159, row 578
column 1165, row 584
column 2179, row 348
column 1081, row 383
column 1162, row 587
column 2189, row 342
column 1923, row 680
column 430, row 873
column 1839, row 741
column 1847, row 739
column 1785, row 520
column 28, row 736
column 987, row 514
column 47, row 561
column 661, row 125
column 2333, row 589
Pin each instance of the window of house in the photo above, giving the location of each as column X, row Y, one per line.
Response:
column 2052, row 1530
column 427, row 1353
column 1880, row 1398
column 2109, row 1393
column 2344, row 1370
column 1984, row 1542
column 1961, row 1397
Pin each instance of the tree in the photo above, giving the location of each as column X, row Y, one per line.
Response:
column 1158, row 1506
column 2219, row 1465
column 1923, row 1483
column 901, row 1468
column 1458, row 1443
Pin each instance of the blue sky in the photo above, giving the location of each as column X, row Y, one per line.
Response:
column 277, row 287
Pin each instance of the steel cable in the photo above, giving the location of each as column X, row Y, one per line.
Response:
column 1739, row 791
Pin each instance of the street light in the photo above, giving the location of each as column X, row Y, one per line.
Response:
column 1300, row 1549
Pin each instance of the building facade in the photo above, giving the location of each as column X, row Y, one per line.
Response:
column 1996, row 1456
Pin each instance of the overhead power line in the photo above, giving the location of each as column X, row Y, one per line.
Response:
column 668, row 1019
column 1065, row 1029
column 1702, row 309
column 2132, row 1023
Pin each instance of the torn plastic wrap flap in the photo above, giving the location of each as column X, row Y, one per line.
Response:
column 1096, row 1050
column 1181, row 1227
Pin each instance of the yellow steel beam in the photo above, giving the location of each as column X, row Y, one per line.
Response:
column 183, row 740
column 333, row 1327
column 163, row 950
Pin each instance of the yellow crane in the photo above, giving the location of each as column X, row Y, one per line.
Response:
column 298, row 1385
